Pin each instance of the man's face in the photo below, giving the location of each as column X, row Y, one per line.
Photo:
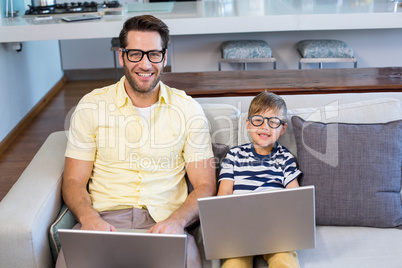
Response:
column 143, row 76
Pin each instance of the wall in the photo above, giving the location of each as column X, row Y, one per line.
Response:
column 25, row 78
column 373, row 48
column 88, row 54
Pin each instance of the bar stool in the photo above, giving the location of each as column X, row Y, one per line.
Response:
column 115, row 48
column 246, row 51
column 328, row 51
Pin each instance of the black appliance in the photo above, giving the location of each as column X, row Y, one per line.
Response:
column 72, row 7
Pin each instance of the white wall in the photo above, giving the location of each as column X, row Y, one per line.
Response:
column 25, row 78
column 373, row 48
column 86, row 54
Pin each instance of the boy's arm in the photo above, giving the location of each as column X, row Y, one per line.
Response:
column 293, row 184
column 225, row 187
column 226, row 176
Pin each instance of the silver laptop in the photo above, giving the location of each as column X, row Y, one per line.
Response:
column 125, row 248
column 258, row 223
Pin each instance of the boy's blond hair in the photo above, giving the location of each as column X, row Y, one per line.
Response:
column 267, row 101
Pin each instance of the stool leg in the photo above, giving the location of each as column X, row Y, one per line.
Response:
column 355, row 64
column 245, row 66
column 274, row 65
column 320, row 65
column 219, row 66
column 300, row 65
column 116, row 75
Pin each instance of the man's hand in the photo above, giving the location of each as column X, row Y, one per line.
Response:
column 202, row 176
column 167, row 227
column 97, row 224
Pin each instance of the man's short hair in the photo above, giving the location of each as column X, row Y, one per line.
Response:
column 267, row 101
column 145, row 23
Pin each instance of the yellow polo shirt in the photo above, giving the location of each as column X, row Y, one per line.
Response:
column 138, row 162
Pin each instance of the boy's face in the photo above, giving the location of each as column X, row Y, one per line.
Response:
column 264, row 136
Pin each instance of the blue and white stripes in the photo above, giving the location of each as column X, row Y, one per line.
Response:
column 253, row 172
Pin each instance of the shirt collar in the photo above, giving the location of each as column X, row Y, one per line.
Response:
column 264, row 156
column 163, row 94
column 123, row 99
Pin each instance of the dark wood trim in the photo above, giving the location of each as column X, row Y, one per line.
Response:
column 250, row 83
column 287, row 82
column 23, row 124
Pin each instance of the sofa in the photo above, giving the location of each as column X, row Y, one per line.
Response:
column 333, row 136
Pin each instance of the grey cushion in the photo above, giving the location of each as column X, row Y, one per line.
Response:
column 220, row 150
column 65, row 220
column 324, row 49
column 246, row 49
column 356, row 170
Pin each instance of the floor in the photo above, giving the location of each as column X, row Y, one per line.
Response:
column 17, row 157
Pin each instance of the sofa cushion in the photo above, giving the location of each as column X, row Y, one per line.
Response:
column 353, row 247
column 324, row 49
column 223, row 119
column 370, row 111
column 220, row 150
column 356, row 170
column 65, row 220
column 246, row 49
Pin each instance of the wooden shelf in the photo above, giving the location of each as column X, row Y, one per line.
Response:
column 287, row 82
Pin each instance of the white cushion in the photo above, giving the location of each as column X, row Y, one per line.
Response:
column 223, row 120
column 353, row 247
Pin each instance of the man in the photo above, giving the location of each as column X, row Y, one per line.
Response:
column 130, row 145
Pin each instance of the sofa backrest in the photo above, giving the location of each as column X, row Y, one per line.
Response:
column 227, row 116
column 303, row 101
column 223, row 120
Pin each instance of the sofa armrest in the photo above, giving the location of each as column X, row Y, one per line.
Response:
column 31, row 206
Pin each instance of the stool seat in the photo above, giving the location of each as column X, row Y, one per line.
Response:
column 246, row 51
column 319, row 51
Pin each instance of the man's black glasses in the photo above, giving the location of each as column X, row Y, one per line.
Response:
column 258, row 120
column 136, row 55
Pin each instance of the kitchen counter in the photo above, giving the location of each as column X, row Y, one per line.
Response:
column 217, row 17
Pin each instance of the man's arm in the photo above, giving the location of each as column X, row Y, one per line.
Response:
column 75, row 195
column 202, row 176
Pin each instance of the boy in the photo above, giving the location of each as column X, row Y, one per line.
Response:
column 261, row 165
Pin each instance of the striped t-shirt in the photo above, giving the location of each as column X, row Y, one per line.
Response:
column 254, row 172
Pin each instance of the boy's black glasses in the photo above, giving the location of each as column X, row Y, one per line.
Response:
column 136, row 55
column 258, row 120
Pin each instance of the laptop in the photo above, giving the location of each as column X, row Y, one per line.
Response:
column 124, row 248
column 258, row 223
